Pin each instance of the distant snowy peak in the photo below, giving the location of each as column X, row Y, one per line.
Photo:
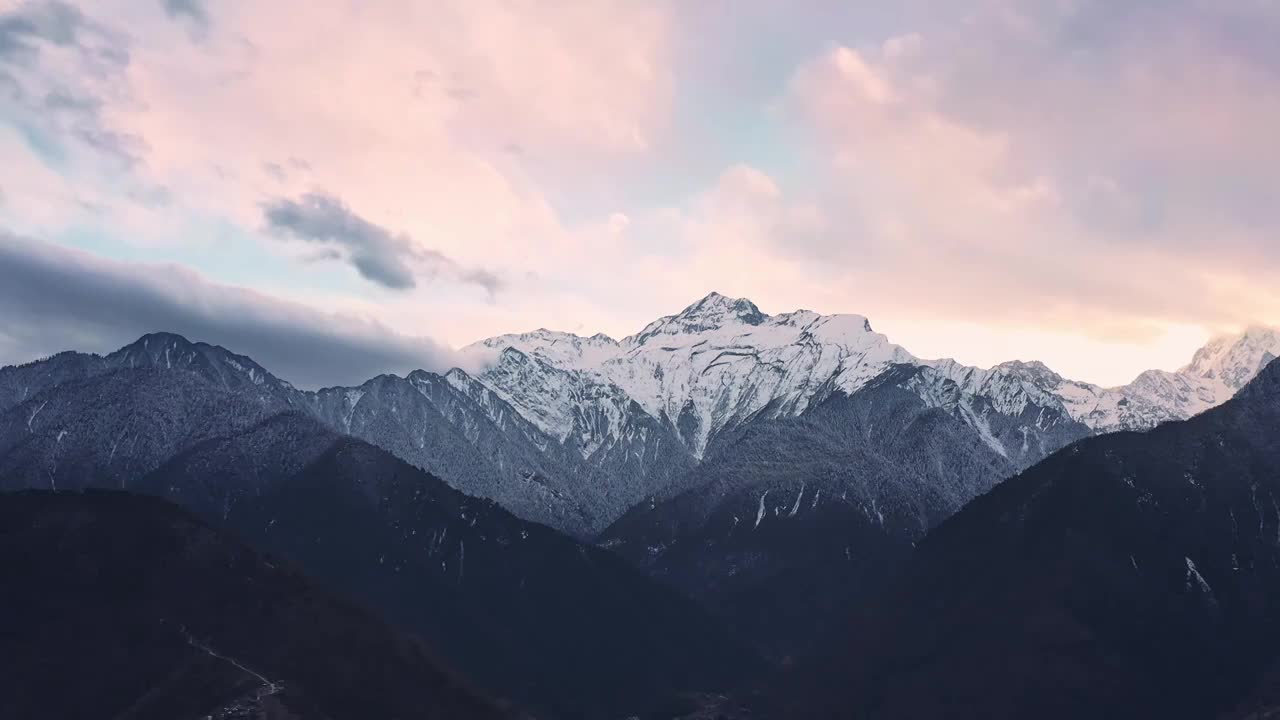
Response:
column 716, row 364
column 1234, row 360
column 723, row 362
column 562, row 349
column 713, row 312
column 1217, row 371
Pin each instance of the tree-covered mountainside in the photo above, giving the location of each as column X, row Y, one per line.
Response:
column 123, row 606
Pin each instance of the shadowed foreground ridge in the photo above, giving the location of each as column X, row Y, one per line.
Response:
column 1130, row 575
column 126, row 607
column 558, row 627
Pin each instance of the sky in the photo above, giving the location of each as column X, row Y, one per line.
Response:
column 352, row 187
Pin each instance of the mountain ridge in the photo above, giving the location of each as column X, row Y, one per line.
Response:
column 1217, row 369
column 721, row 363
column 574, row 431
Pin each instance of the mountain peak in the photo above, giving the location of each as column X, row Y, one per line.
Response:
column 717, row 309
column 1032, row 370
column 146, row 349
column 712, row 312
column 162, row 338
column 169, row 351
column 1234, row 359
column 714, row 297
column 714, row 301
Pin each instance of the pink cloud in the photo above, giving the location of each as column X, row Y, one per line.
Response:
column 1091, row 169
column 970, row 199
column 416, row 116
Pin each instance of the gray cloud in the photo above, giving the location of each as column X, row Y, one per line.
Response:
column 54, row 299
column 375, row 252
column 59, row 101
column 100, row 51
column 79, row 117
column 16, row 33
column 54, row 22
column 389, row 259
column 275, row 170
column 192, row 11
column 485, row 279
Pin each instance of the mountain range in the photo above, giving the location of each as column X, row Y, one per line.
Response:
column 777, row 470
column 818, row 452
column 574, row 431
column 680, row 388
column 770, row 466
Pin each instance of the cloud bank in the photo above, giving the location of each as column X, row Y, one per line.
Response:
column 55, row 299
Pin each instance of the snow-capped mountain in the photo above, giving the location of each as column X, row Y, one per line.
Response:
column 721, row 362
column 715, row 365
column 701, row 376
column 1215, row 374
